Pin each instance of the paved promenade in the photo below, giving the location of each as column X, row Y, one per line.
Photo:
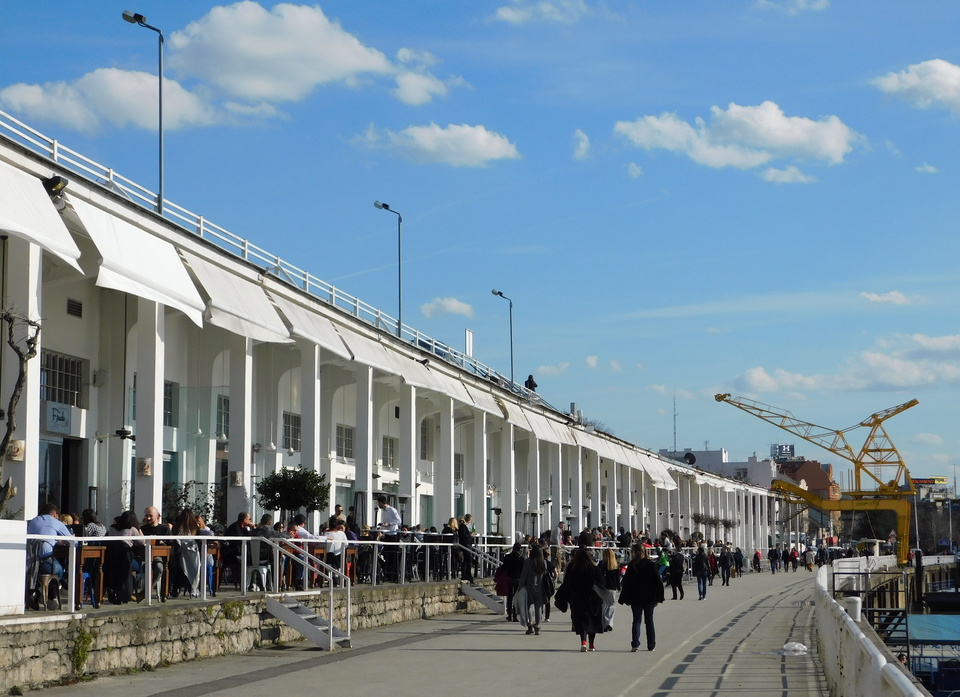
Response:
column 728, row 644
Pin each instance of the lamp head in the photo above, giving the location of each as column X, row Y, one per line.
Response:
column 133, row 17
column 381, row 206
column 496, row 292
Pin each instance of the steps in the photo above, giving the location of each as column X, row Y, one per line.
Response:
column 484, row 597
column 314, row 628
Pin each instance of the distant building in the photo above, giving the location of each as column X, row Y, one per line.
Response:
column 754, row 471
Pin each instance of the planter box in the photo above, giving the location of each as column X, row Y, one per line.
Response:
column 13, row 566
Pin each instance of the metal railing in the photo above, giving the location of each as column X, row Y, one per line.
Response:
column 193, row 223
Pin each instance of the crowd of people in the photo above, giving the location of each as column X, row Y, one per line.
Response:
column 181, row 571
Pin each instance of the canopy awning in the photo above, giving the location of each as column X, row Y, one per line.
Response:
column 27, row 212
column 308, row 325
column 540, row 427
column 237, row 305
column 659, row 473
column 136, row 262
column 368, row 352
column 483, row 400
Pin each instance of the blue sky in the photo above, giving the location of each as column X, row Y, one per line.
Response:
column 681, row 198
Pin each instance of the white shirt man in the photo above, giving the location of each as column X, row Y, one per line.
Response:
column 389, row 517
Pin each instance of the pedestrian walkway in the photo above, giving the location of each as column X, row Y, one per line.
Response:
column 731, row 643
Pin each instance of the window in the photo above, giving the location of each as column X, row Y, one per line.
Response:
column 171, row 393
column 61, row 379
column 425, row 440
column 389, row 453
column 457, row 468
column 741, row 474
column 291, row 431
column 345, row 441
column 223, row 417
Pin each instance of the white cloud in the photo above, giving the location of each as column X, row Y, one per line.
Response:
column 793, row 7
column 456, row 145
column 524, row 11
column 551, row 370
column 743, row 136
column 446, row 306
column 581, row 145
column 616, row 366
column 894, row 297
column 108, row 95
column 418, row 88
column 592, row 361
column 927, row 169
column 244, row 55
column 930, row 83
column 899, row 362
column 634, row 171
column 788, row 175
column 927, row 439
column 277, row 55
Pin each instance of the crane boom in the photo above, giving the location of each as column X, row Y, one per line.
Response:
column 877, row 456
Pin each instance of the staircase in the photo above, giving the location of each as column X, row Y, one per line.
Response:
column 484, row 597
column 314, row 628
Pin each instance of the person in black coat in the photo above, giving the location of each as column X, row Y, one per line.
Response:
column 465, row 536
column 579, row 578
column 642, row 589
column 675, row 573
column 513, row 566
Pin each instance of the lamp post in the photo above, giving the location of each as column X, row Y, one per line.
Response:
column 386, row 207
column 135, row 18
column 500, row 293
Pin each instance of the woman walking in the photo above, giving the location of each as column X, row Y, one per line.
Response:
column 642, row 590
column 532, row 581
column 701, row 569
column 675, row 573
column 579, row 579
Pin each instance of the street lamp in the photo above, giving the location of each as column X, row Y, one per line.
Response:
column 386, row 207
column 135, row 18
column 500, row 293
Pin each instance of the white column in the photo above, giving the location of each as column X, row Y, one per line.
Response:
column 313, row 455
column 409, row 455
column 508, row 483
column 596, row 500
column 577, row 500
column 23, row 286
column 533, row 474
column 555, row 489
column 479, row 501
column 148, row 471
column 364, row 451
column 444, row 499
column 241, row 424
column 611, row 472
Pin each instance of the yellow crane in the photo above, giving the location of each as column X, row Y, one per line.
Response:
column 881, row 478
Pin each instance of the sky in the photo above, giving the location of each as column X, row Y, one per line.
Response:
column 752, row 196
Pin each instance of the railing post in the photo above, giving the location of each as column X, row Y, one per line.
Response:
column 148, row 572
column 403, row 563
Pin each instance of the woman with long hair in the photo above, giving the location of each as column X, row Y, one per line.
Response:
column 642, row 590
column 533, row 583
column 187, row 555
column 579, row 579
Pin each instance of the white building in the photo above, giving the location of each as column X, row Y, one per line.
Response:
column 226, row 363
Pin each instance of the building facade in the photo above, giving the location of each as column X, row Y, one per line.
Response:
column 172, row 351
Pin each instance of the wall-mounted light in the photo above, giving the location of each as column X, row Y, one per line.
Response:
column 256, row 448
column 54, row 185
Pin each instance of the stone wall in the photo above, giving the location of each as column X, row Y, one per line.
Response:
column 38, row 650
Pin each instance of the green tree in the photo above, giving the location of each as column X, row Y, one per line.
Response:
column 293, row 489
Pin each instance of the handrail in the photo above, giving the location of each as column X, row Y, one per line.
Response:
column 192, row 223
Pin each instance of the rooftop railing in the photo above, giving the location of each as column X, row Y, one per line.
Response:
column 192, row 223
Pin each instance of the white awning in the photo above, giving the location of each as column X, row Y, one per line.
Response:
column 453, row 387
column 134, row 261
column 236, row 304
column 311, row 326
column 27, row 212
column 540, row 427
column 565, row 435
column 368, row 351
column 483, row 400
column 659, row 473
